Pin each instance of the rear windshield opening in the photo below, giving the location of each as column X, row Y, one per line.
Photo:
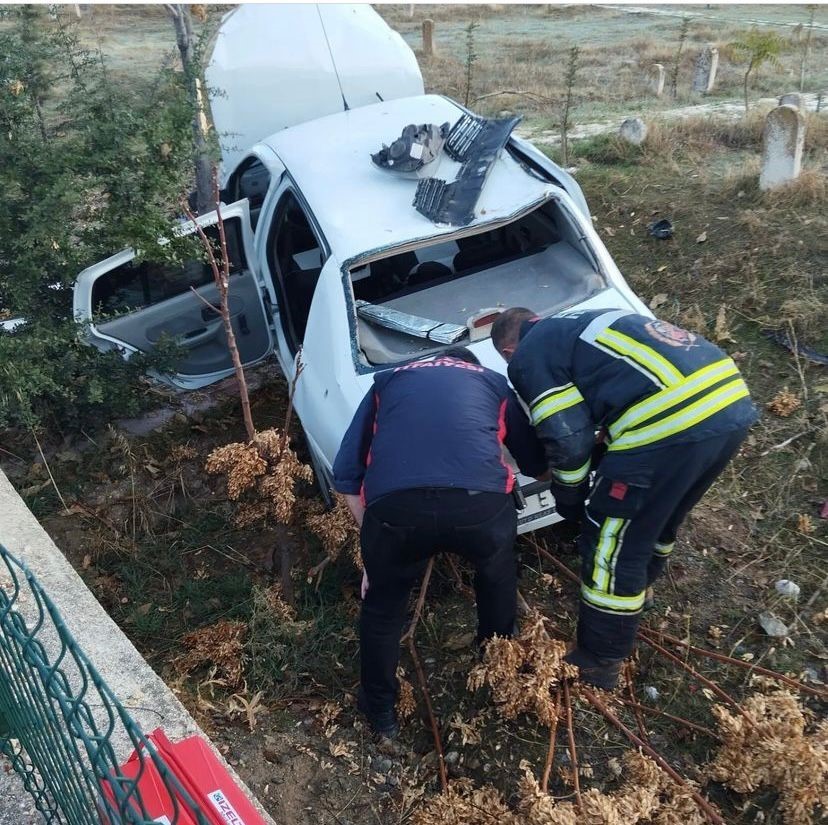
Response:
column 537, row 261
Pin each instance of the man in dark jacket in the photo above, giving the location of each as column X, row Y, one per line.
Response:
column 671, row 410
column 423, row 471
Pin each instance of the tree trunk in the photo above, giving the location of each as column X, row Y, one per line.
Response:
column 185, row 39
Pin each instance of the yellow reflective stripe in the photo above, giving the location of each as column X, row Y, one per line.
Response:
column 550, row 392
column 682, row 420
column 555, row 403
column 573, row 476
column 607, row 542
column 618, row 604
column 664, row 549
column 643, row 355
column 661, row 401
column 615, row 555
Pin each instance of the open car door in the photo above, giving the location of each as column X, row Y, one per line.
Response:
column 131, row 305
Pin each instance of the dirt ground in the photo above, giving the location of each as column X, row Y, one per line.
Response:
column 154, row 537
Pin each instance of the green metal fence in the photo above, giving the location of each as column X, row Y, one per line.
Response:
column 60, row 723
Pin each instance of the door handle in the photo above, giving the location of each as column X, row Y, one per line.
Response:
column 199, row 336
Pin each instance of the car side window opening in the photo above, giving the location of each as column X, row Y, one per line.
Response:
column 136, row 285
column 537, row 260
column 295, row 259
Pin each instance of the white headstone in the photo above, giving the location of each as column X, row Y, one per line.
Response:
column 792, row 99
column 657, row 77
column 633, row 130
column 707, row 64
column 782, row 143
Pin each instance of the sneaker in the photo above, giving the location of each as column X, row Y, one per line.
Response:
column 600, row 673
column 383, row 723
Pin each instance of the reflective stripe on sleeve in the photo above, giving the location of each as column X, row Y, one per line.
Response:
column 685, row 418
column 555, row 401
column 573, row 476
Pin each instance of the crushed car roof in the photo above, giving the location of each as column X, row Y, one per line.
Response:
column 361, row 208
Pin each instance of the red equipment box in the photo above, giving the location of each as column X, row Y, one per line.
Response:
column 200, row 773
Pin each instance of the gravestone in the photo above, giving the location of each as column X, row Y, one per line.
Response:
column 657, row 78
column 782, row 143
column 792, row 99
column 633, row 130
column 428, row 38
column 707, row 64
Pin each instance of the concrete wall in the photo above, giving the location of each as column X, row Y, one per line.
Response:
column 150, row 702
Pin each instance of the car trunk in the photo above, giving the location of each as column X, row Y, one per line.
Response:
column 540, row 260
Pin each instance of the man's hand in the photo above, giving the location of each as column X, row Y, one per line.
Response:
column 363, row 589
column 356, row 507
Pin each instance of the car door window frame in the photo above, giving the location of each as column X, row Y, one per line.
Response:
column 277, row 277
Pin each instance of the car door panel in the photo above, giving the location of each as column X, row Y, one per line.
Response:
column 197, row 328
column 135, row 305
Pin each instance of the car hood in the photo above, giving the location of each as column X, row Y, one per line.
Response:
column 274, row 66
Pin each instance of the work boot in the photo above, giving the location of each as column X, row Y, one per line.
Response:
column 383, row 723
column 600, row 673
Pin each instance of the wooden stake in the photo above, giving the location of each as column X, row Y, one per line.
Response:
column 706, row 808
column 409, row 634
column 550, row 754
column 435, row 730
column 573, row 753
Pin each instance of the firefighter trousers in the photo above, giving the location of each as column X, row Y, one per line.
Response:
column 636, row 506
column 400, row 533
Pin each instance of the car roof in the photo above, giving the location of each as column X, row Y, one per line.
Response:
column 361, row 208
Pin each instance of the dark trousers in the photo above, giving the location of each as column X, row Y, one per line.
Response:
column 400, row 533
column 635, row 509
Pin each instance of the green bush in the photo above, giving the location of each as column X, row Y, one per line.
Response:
column 49, row 378
column 89, row 167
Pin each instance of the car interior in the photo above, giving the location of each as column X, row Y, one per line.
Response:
column 539, row 260
column 295, row 261
column 141, row 302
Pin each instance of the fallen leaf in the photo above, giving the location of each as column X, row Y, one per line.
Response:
column 610, row 231
column 702, row 238
column 658, row 300
column 662, row 268
column 721, row 331
column 87, row 562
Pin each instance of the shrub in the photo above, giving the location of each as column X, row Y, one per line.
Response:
column 89, row 167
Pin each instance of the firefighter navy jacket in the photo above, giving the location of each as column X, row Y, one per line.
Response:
column 646, row 383
column 438, row 423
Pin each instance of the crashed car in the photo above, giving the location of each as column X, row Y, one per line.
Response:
column 358, row 268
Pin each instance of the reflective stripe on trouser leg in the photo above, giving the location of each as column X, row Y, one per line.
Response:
column 664, row 549
column 600, row 591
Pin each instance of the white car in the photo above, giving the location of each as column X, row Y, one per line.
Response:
column 328, row 251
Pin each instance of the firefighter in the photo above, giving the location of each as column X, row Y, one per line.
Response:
column 670, row 409
column 422, row 469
